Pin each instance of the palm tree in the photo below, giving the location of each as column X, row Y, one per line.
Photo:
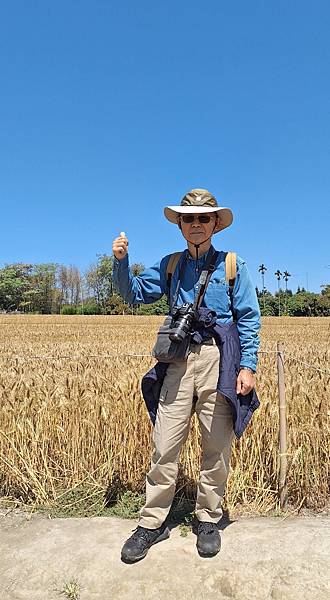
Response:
column 262, row 269
column 286, row 276
column 278, row 276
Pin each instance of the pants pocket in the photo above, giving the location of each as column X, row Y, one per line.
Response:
column 163, row 395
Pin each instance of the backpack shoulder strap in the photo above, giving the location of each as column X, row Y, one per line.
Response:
column 231, row 268
column 231, row 271
column 171, row 266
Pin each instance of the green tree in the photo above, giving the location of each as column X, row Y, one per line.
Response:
column 323, row 301
column 137, row 268
column 116, row 305
column 43, row 296
column 268, row 304
column 325, row 290
column 156, row 308
column 100, row 281
column 14, row 283
column 89, row 307
column 70, row 284
column 303, row 304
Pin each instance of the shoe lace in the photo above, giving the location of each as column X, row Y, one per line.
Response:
column 143, row 533
column 206, row 527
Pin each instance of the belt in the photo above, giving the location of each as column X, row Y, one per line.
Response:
column 207, row 342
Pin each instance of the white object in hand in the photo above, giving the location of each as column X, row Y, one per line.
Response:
column 123, row 249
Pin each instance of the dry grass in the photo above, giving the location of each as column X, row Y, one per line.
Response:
column 66, row 421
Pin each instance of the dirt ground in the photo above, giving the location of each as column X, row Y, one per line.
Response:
column 261, row 558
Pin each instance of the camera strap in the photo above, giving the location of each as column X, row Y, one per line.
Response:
column 176, row 293
column 205, row 277
column 202, row 281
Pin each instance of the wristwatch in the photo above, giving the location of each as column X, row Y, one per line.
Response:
column 247, row 369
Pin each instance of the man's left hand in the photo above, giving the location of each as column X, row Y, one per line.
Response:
column 245, row 382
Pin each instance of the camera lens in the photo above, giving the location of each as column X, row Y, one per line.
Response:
column 182, row 328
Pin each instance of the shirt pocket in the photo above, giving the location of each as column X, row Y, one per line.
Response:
column 217, row 297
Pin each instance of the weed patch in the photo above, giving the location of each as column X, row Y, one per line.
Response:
column 87, row 501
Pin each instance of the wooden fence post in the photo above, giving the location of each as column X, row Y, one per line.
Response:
column 282, row 483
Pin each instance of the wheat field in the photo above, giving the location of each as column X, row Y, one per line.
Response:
column 71, row 411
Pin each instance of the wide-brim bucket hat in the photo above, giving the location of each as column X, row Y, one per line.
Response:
column 200, row 201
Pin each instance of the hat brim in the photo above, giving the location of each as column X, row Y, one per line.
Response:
column 225, row 215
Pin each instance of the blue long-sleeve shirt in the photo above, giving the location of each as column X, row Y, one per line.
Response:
column 151, row 284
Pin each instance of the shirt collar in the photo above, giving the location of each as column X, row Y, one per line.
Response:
column 201, row 259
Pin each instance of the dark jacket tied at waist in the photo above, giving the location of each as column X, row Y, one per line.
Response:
column 227, row 338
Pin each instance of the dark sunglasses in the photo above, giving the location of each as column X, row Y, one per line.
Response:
column 200, row 218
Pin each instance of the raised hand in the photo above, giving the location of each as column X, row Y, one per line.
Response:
column 120, row 246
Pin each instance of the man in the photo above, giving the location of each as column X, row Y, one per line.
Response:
column 193, row 385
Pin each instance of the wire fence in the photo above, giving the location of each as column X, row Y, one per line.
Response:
column 280, row 355
column 112, row 356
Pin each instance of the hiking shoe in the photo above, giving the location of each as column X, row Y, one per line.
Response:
column 208, row 538
column 137, row 546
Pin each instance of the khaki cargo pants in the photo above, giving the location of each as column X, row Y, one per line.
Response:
column 197, row 377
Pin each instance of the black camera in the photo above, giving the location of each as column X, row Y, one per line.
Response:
column 182, row 319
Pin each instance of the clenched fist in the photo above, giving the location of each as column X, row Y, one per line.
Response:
column 245, row 382
column 120, row 246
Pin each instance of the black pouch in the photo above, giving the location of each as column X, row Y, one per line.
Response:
column 167, row 351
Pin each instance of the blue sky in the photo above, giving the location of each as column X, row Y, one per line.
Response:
column 111, row 110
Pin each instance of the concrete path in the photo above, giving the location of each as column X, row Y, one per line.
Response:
column 261, row 558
